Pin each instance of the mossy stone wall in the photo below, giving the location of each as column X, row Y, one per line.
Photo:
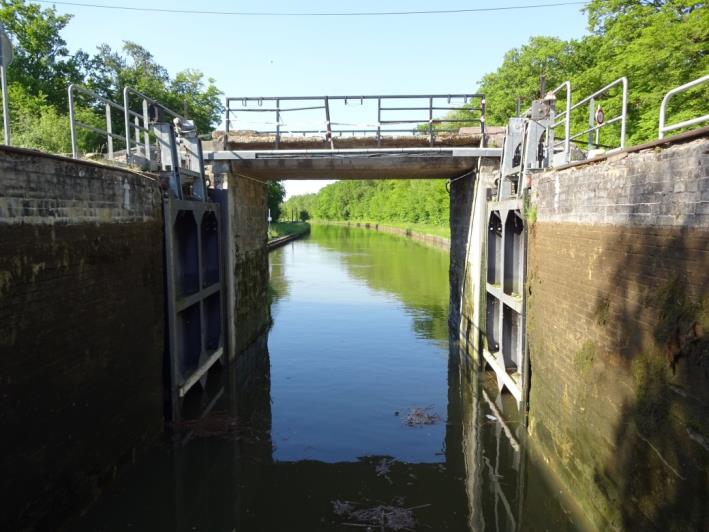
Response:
column 618, row 305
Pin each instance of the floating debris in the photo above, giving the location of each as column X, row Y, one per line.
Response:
column 342, row 507
column 383, row 468
column 421, row 416
column 384, row 517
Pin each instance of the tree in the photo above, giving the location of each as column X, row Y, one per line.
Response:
column 304, row 216
column 656, row 44
column 43, row 64
column 43, row 68
column 186, row 93
column 275, row 192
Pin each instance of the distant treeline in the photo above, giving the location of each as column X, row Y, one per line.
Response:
column 415, row 201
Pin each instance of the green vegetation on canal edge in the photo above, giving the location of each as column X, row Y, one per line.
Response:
column 279, row 229
column 424, row 229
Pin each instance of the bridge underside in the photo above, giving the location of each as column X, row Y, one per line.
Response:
column 402, row 163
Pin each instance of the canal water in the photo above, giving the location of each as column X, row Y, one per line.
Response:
column 355, row 412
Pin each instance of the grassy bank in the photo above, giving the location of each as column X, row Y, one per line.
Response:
column 425, row 229
column 279, row 229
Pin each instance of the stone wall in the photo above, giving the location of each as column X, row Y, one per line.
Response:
column 81, row 330
column 618, row 317
column 249, row 255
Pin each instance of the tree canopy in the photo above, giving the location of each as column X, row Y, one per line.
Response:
column 275, row 193
column 44, row 67
column 656, row 44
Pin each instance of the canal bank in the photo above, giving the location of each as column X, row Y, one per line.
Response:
column 428, row 239
column 279, row 236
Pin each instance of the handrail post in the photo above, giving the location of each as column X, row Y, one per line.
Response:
column 567, row 124
column 482, row 122
column 278, row 124
column 624, row 111
column 72, row 124
column 591, row 118
column 226, row 124
column 127, row 123
column 430, row 121
column 146, row 126
column 379, row 122
column 663, row 107
column 109, row 132
column 5, row 105
column 327, row 122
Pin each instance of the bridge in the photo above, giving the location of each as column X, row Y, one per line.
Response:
column 354, row 137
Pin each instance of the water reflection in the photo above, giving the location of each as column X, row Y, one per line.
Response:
column 306, row 432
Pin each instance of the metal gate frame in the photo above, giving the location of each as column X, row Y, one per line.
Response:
column 195, row 293
column 505, row 341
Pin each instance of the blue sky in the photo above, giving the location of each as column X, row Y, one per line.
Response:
column 262, row 56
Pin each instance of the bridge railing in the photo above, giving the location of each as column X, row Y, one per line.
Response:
column 417, row 116
column 663, row 127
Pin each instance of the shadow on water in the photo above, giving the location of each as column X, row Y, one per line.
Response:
column 222, row 470
column 657, row 317
column 219, row 473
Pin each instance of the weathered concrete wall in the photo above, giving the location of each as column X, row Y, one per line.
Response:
column 249, row 255
column 618, row 317
column 81, row 330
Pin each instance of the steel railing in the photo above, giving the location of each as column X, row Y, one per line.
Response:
column 382, row 126
column 141, row 121
column 74, row 123
column 594, row 124
column 663, row 128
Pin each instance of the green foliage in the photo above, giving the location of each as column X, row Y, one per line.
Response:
column 44, row 67
column 43, row 63
column 420, row 201
column 521, row 70
column 304, row 215
column 187, row 93
column 277, row 229
column 656, row 44
column 275, row 194
column 37, row 124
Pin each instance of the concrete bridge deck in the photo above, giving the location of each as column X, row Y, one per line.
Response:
column 413, row 163
column 402, row 157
